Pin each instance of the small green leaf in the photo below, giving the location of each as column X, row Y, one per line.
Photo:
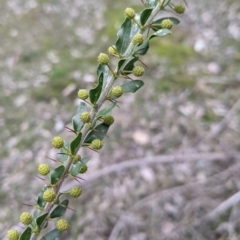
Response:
column 160, row 33
column 40, row 219
column 145, row 15
column 97, row 133
column 52, row 235
column 36, row 213
column 41, row 203
column 26, row 234
column 76, row 167
column 63, row 156
column 120, row 63
column 60, row 210
column 125, row 34
column 74, row 144
column 76, row 122
column 105, row 70
column 94, row 93
column 56, row 174
column 132, row 86
column 156, row 25
column 105, row 111
column 142, row 49
column 129, row 65
column 151, row 3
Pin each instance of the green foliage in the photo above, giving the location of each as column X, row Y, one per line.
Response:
column 133, row 39
column 60, row 210
column 94, row 93
column 26, row 234
column 76, row 122
column 56, row 174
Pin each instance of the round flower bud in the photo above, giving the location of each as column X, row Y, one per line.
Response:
column 62, row 224
column 137, row 39
column 57, row 142
column 12, row 234
column 85, row 117
column 75, row 192
column 103, row 58
column 116, row 92
column 76, row 158
column 83, row 169
column 138, row 71
column 129, row 12
column 49, row 195
column 26, row 218
column 43, row 169
column 97, row 144
column 112, row 50
column 108, row 120
column 179, row 8
column 166, row 23
column 83, row 94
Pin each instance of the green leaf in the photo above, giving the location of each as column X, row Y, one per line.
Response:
column 99, row 132
column 105, row 111
column 74, row 144
column 121, row 62
column 56, row 174
column 151, row 3
column 156, row 25
column 132, row 86
column 60, row 210
column 26, row 234
column 142, row 49
column 94, row 93
column 105, row 70
column 52, row 235
column 41, row 203
column 76, row 167
column 125, row 34
column 40, row 219
column 62, row 156
column 129, row 65
column 145, row 15
column 160, row 33
column 76, row 122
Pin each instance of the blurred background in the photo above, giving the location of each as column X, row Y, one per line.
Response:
column 170, row 167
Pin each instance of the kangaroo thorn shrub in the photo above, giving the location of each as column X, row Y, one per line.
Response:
column 93, row 117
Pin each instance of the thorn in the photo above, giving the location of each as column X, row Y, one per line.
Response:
column 143, row 63
column 52, row 159
column 40, row 178
column 70, row 130
column 29, row 205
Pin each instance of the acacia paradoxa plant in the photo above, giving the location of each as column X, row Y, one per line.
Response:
column 91, row 121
